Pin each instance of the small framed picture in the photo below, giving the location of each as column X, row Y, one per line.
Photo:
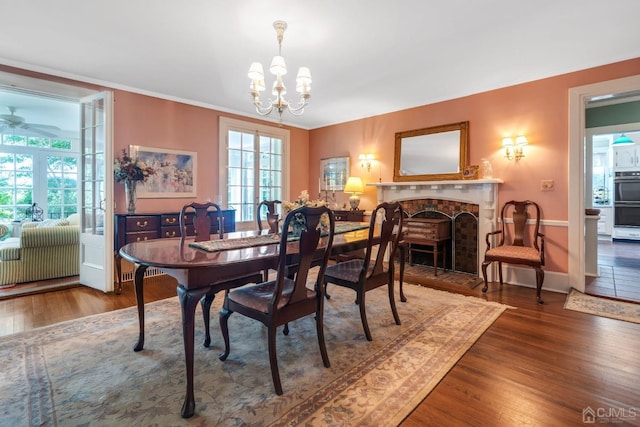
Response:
column 470, row 172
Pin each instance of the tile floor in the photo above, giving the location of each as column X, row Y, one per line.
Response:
column 619, row 267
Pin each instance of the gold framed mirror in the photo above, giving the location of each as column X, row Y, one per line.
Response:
column 431, row 154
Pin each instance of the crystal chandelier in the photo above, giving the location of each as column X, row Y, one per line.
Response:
column 279, row 69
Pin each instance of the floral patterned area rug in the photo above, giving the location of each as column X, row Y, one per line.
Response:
column 604, row 307
column 84, row 372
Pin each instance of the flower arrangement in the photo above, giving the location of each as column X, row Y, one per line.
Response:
column 126, row 168
column 303, row 200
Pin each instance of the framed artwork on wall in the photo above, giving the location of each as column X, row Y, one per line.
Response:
column 334, row 172
column 175, row 172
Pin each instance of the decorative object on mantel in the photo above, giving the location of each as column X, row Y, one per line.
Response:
column 130, row 171
column 431, row 154
column 486, row 169
column 279, row 69
column 355, row 187
column 470, row 172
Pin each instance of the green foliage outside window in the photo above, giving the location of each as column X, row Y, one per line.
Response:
column 17, row 177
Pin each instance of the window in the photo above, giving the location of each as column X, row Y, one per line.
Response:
column 37, row 170
column 253, row 161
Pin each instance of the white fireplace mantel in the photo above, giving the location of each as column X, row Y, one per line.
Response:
column 483, row 192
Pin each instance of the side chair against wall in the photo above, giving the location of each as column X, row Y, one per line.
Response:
column 287, row 298
column 363, row 275
column 202, row 232
column 522, row 248
column 271, row 217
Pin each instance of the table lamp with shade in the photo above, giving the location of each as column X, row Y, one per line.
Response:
column 354, row 186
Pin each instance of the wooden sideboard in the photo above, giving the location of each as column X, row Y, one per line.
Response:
column 148, row 226
column 356, row 216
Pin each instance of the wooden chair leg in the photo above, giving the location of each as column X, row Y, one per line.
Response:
column 401, row 275
column 363, row 315
column 320, row 332
column 484, row 275
column 539, row 280
column 273, row 360
column 392, row 302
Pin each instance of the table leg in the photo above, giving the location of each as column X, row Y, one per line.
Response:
column 435, row 259
column 189, row 299
column 444, row 258
column 118, row 260
column 138, row 279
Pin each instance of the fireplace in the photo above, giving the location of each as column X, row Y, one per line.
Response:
column 470, row 204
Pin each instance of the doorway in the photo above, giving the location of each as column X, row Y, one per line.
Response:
column 578, row 98
column 50, row 113
column 609, row 137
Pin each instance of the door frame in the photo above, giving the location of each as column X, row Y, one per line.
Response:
column 578, row 96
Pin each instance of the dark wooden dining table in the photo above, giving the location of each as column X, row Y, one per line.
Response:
column 198, row 271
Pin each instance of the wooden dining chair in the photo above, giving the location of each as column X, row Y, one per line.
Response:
column 202, row 227
column 517, row 244
column 271, row 216
column 363, row 275
column 277, row 302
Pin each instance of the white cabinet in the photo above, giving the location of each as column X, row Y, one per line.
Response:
column 626, row 233
column 605, row 223
column 626, row 157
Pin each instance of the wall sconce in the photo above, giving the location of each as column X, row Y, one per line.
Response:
column 514, row 150
column 365, row 161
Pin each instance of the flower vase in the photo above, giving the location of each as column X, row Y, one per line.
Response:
column 130, row 195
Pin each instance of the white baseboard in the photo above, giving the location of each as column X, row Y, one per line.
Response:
column 526, row 277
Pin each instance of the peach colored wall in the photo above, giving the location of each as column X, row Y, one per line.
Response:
column 537, row 109
column 154, row 122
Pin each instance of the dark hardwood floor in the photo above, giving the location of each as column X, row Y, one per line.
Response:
column 537, row 365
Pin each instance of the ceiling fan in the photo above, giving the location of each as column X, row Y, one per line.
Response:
column 16, row 124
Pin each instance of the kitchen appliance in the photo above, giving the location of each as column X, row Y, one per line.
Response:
column 626, row 206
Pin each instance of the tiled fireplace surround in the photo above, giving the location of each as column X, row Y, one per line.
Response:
column 470, row 204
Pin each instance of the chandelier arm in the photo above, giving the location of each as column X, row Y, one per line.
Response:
column 263, row 111
column 299, row 109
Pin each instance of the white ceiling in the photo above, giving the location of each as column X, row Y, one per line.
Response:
column 367, row 57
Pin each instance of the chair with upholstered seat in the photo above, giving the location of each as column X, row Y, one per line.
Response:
column 287, row 298
column 375, row 270
column 202, row 227
column 517, row 244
